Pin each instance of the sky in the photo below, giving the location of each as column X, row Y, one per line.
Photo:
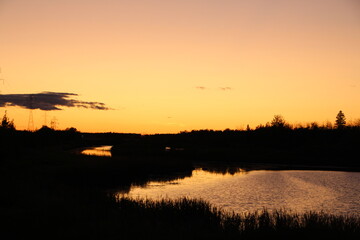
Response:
column 161, row 66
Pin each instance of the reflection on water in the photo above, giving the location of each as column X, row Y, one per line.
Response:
column 332, row 192
column 103, row 151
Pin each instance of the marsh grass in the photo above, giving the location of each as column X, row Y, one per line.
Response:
column 282, row 223
column 198, row 217
column 71, row 213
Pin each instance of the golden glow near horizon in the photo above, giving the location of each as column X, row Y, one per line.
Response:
column 168, row 66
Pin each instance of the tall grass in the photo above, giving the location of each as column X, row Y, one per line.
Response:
column 282, row 223
column 183, row 218
column 91, row 215
column 198, row 216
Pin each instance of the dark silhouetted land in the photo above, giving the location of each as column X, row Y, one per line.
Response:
column 48, row 191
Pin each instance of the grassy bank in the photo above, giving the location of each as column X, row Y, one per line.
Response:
column 96, row 216
column 193, row 219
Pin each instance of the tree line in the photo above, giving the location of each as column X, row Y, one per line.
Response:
column 277, row 122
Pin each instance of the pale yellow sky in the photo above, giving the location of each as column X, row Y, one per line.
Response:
column 168, row 66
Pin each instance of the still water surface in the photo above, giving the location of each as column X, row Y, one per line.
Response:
column 300, row 191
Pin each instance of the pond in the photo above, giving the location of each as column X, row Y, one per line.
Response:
column 247, row 191
column 102, row 151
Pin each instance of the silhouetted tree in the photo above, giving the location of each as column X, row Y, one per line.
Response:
column 314, row 126
column 45, row 130
column 71, row 129
column 6, row 123
column 327, row 125
column 356, row 123
column 340, row 121
column 278, row 121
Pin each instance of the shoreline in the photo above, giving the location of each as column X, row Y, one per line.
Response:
column 248, row 166
column 275, row 166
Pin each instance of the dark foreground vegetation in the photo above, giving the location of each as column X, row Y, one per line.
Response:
column 49, row 192
column 195, row 219
column 98, row 216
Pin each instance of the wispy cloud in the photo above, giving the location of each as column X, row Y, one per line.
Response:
column 225, row 88
column 201, row 88
column 48, row 101
column 219, row 88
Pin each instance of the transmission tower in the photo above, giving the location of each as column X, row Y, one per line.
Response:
column 54, row 123
column 31, row 117
column 31, row 121
column 45, row 118
column 1, row 79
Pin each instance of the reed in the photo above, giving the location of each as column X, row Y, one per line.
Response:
column 198, row 216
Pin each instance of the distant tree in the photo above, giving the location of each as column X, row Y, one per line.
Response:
column 260, row 126
column 45, row 130
column 6, row 123
column 327, row 125
column 340, row 121
column 71, row 129
column 356, row 123
column 314, row 126
column 248, row 128
column 278, row 121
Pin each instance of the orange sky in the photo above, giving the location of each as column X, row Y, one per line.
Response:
column 168, row 66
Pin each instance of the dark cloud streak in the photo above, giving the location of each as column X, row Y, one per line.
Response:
column 225, row 88
column 201, row 88
column 220, row 88
column 48, row 101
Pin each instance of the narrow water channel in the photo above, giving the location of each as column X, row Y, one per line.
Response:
column 102, row 151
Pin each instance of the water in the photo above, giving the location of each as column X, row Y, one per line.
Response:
column 103, row 151
column 300, row 191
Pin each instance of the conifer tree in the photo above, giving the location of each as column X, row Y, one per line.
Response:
column 340, row 121
column 6, row 123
